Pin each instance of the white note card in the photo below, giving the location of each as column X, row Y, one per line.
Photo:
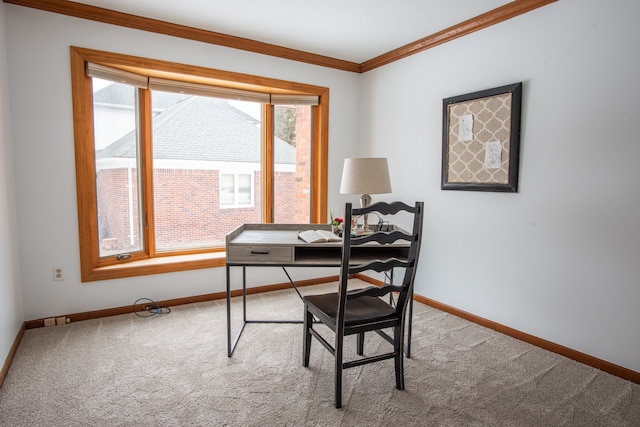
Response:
column 493, row 155
column 465, row 127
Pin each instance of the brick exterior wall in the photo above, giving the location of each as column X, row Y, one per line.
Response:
column 187, row 208
column 113, row 211
column 296, row 210
column 303, row 166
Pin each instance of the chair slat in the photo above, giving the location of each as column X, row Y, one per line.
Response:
column 382, row 237
column 379, row 266
column 373, row 291
column 386, row 208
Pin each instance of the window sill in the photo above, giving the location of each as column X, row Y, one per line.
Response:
column 156, row 266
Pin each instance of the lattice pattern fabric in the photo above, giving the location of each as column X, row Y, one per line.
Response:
column 491, row 122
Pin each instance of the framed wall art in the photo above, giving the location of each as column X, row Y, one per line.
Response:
column 481, row 140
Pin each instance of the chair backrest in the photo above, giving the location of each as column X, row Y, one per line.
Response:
column 406, row 258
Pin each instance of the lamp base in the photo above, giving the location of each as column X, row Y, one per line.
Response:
column 365, row 200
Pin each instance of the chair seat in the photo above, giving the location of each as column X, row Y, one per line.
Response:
column 359, row 310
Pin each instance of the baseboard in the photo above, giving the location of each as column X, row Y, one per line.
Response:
column 586, row 359
column 76, row 317
column 12, row 352
column 594, row 362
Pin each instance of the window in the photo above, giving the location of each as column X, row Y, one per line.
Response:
column 292, row 138
column 170, row 158
column 236, row 190
column 119, row 212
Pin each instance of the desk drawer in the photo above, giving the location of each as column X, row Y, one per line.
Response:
column 260, row 254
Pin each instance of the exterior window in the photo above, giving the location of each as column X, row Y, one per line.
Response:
column 292, row 174
column 178, row 164
column 236, row 190
column 118, row 200
column 244, row 190
column 227, row 190
column 193, row 138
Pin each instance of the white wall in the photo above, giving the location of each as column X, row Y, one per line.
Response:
column 11, row 314
column 561, row 258
column 558, row 260
column 40, row 90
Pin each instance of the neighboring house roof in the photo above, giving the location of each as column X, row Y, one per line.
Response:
column 199, row 128
column 123, row 95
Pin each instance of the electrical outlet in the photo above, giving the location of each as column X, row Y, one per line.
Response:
column 58, row 273
column 50, row 321
column 61, row 320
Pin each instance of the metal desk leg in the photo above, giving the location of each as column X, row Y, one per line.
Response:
column 244, row 295
column 292, row 282
column 229, row 349
column 232, row 345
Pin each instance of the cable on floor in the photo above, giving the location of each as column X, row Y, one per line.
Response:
column 151, row 308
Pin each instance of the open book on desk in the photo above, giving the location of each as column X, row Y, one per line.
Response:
column 316, row 236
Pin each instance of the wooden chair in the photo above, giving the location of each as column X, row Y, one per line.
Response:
column 359, row 311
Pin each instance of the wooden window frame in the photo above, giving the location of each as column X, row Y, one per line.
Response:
column 92, row 266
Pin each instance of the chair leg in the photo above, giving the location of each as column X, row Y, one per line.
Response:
column 360, row 349
column 338, row 362
column 398, row 344
column 306, row 345
column 409, row 326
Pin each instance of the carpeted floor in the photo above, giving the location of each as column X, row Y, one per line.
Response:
column 172, row 370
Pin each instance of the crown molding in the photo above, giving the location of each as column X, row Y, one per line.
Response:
column 79, row 10
column 107, row 16
column 495, row 16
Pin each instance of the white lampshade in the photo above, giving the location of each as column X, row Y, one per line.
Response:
column 365, row 176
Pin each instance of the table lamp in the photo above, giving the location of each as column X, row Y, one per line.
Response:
column 365, row 176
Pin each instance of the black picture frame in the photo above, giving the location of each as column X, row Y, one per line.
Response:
column 470, row 162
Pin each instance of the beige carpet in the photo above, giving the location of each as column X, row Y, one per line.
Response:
column 173, row 370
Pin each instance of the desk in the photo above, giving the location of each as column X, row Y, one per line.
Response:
column 278, row 245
